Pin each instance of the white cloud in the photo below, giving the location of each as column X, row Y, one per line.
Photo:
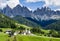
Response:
column 11, row 3
column 47, row 2
column 2, row 3
column 52, row 2
column 55, row 3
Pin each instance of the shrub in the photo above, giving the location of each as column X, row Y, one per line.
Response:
column 0, row 30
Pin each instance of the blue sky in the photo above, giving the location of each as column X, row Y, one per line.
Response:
column 32, row 4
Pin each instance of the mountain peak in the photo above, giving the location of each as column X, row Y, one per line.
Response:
column 17, row 6
column 7, row 7
column 46, row 8
column 38, row 8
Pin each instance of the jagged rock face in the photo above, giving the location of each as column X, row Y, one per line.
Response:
column 41, row 16
column 18, row 10
column 7, row 11
column 45, row 13
column 23, row 11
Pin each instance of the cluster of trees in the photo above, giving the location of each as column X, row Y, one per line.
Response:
column 6, row 22
column 55, row 29
column 25, row 21
column 1, row 30
column 55, row 26
column 51, row 33
column 36, row 30
column 21, row 28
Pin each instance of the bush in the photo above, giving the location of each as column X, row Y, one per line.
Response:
column 21, row 28
column 35, row 30
column 53, row 33
column 0, row 30
column 13, row 26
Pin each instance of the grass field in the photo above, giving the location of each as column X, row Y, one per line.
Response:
column 4, row 37
column 35, row 38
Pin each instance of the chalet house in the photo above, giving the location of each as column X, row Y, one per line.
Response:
column 26, row 32
column 8, row 32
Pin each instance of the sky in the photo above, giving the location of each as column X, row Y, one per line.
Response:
column 32, row 4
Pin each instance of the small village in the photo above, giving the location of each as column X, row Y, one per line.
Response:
column 23, row 32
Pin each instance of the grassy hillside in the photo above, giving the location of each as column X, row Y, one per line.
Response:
column 35, row 38
column 25, row 21
column 55, row 26
column 6, row 22
column 4, row 37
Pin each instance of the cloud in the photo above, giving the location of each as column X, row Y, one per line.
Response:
column 11, row 3
column 2, row 3
column 52, row 2
column 47, row 2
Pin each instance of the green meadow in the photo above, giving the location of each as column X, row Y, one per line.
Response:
column 4, row 37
